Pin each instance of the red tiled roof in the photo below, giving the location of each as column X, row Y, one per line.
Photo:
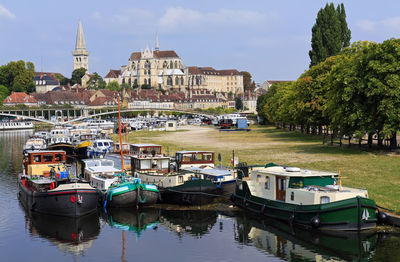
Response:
column 101, row 101
column 113, row 73
column 157, row 54
column 19, row 97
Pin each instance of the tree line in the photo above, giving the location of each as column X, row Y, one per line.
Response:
column 354, row 94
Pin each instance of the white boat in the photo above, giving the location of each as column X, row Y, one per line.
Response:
column 99, row 148
column 101, row 173
column 37, row 143
column 13, row 125
column 99, row 123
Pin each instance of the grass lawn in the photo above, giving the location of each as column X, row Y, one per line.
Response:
column 377, row 172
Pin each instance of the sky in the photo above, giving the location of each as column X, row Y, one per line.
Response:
column 268, row 38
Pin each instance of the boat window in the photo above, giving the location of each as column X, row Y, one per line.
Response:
column 292, row 196
column 37, row 158
column 284, row 184
column 100, row 143
column 324, row 200
column 106, row 144
column 258, row 178
column 48, row 158
column 180, row 179
column 267, row 185
column 207, row 157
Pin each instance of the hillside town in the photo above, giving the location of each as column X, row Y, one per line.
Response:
column 153, row 78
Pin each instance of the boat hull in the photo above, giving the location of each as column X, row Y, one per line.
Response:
column 192, row 192
column 73, row 202
column 131, row 195
column 356, row 213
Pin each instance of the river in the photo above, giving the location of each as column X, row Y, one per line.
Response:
column 167, row 234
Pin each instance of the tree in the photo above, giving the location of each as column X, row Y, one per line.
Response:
column 238, row 103
column 3, row 93
column 248, row 85
column 114, row 86
column 96, row 82
column 77, row 75
column 330, row 33
column 18, row 76
column 63, row 80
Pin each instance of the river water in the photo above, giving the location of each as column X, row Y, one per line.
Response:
column 167, row 234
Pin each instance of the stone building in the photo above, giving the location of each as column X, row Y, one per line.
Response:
column 81, row 55
column 165, row 70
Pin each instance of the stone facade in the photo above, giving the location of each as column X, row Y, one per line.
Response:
column 81, row 55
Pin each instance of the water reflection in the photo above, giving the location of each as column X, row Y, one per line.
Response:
column 130, row 219
column 296, row 244
column 192, row 222
column 70, row 235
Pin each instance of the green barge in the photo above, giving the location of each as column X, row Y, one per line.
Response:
column 304, row 197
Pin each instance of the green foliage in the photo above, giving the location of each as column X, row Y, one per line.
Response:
column 77, row 75
column 238, row 103
column 114, row 86
column 354, row 93
column 63, row 80
column 3, row 93
column 145, row 87
column 96, row 82
column 330, row 33
column 248, row 84
column 18, row 76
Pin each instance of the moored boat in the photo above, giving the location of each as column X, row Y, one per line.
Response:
column 304, row 197
column 176, row 187
column 45, row 186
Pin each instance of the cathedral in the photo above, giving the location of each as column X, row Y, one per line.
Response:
column 153, row 68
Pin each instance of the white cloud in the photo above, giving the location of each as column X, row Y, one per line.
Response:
column 384, row 24
column 179, row 17
column 5, row 13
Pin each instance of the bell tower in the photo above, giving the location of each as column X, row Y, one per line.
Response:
column 80, row 53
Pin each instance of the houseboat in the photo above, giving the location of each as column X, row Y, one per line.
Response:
column 46, row 186
column 99, row 123
column 15, row 125
column 145, row 149
column 82, row 142
column 202, row 164
column 117, row 189
column 177, row 187
column 125, row 148
column 304, row 197
column 60, row 139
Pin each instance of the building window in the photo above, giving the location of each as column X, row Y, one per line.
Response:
column 169, row 81
column 171, row 65
column 176, row 81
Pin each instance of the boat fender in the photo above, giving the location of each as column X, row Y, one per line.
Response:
column 72, row 199
column 315, row 222
column 382, row 217
column 233, row 198
column 262, row 209
column 52, row 185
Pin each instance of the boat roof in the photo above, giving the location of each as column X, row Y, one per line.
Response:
column 192, row 152
column 211, row 171
column 102, row 169
column 294, row 172
column 30, row 151
column 144, row 145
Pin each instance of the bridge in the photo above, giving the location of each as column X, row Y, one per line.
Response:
column 64, row 116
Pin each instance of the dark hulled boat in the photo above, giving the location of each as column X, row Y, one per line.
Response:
column 43, row 189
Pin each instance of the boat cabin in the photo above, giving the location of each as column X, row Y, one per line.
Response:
column 125, row 148
column 148, row 163
column 100, row 172
column 40, row 162
column 298, row 186
column 186, row 159
column 145, row 149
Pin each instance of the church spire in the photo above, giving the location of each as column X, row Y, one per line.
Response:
column 80, row 53
column 157, row 46
column 80, row 38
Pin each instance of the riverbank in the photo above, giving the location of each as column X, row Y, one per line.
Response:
column 377, row 172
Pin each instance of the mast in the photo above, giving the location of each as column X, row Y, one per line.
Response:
column 120, row 132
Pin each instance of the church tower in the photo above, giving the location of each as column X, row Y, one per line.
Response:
column 80, row 53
